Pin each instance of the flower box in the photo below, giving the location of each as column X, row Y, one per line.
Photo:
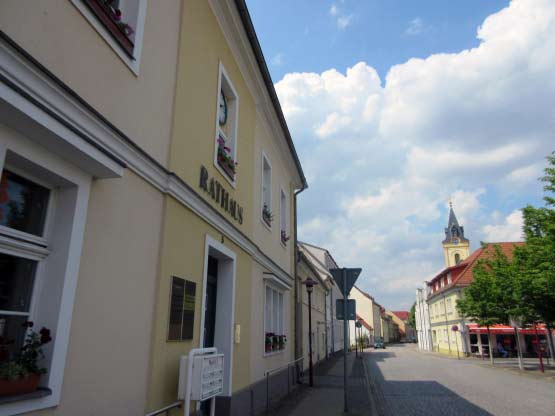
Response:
column 225, row 161
column 284, row 237
column 111, row 19
column 267, row 215
column 22, row 385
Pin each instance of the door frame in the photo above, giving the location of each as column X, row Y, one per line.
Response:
column 225, row 300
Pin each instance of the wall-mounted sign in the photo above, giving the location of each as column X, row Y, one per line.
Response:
column 182, row 309
column 218, row 193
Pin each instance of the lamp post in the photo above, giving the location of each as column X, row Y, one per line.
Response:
column 310, row 283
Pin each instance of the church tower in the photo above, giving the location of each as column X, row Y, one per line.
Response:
column 456, row 248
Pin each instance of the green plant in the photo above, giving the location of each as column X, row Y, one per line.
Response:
column 12, row 370
column 31, row 352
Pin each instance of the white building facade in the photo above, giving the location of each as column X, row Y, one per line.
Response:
column 423, row 325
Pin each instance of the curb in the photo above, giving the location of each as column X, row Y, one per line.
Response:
column 374, row 392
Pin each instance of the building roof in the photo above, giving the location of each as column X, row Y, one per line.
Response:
column 463, row 273
column 255, row 45
column 402, row 315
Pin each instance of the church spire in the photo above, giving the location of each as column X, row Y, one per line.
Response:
column 454, row 231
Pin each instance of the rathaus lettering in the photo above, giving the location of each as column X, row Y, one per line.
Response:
column 217, row 192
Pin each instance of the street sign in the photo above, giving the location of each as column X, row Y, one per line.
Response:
column 351, row 309
column 352, row 276
column 454, row 328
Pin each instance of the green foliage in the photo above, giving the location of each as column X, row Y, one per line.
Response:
column 12, row 370
column 489, row 299
column 535, row 261
column 412, row 316
column 31, row 352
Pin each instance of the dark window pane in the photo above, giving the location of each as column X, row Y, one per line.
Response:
column 176, row 308
column 23, row 203
column 17, row 276
column 12, row 335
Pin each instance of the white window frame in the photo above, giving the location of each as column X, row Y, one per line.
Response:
column 283, row 215
column 280, row 292
column 265, row 161
column 449, row 281
column 233, row 117
column 68, row 202
column 132, row 63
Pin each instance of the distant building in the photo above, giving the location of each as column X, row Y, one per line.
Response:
column 401, row 318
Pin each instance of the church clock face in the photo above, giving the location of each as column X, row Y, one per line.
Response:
column 222, row 117
column 455, row 241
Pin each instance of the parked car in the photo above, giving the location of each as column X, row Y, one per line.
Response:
column 379, row 344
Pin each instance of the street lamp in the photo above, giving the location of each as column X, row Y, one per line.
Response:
column 310, row 283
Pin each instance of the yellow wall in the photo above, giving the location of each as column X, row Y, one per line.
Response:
column 202, row 48
column 449, row 251
column 182, row 255
column 443, row 315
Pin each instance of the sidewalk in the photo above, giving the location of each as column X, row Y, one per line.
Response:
column 326, row 397
column 531, row 365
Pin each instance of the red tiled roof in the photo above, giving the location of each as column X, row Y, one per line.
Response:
column 465, row 278
column 462, row 273
column 402, row 315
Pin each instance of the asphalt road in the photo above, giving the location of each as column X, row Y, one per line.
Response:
column 407, row 382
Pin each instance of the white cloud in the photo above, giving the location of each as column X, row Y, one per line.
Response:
column 277, row 59
column 509, row 230
column 334, row 10
column 344, row 21
column 383, row 159
column 416, row 27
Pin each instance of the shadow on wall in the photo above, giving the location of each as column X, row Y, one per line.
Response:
column 426, row 398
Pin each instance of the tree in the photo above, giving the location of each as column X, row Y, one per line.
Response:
column 536, row 260
column 489, row 299
column 412, row 316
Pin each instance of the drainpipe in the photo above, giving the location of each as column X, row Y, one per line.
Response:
column 298, row 339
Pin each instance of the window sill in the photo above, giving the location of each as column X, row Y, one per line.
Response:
column 270, row 354
column 231, row 181
column 41, row 392
column 263, row 221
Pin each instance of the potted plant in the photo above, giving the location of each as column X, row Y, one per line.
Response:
column 267, row 215
column 22, row 374
column 284, row 237
column 225, row 160
column 268, row 347
column 275, row 343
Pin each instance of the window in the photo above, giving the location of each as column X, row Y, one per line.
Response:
column 442, row 282
column 42, row 205
column 449, row 306
column 449, row 278
column 267, row 215
column 457, row 258
column 120, row 23
column 226, row 128
column 23, row 209
column 284, row 217
column 182, row 309
column 273, row 321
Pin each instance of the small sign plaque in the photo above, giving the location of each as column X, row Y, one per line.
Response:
column 351, row 309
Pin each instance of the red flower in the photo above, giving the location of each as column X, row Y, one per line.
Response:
column 117, row 12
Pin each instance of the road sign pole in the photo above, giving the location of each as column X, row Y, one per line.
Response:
column 345, row 322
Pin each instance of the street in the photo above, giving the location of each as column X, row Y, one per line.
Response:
column 405, row 381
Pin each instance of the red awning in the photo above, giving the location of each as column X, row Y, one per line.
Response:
column 505, row 329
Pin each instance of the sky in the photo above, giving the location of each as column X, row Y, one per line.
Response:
column 398, row 106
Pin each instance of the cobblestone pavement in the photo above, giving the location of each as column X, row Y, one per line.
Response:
column 404, row 381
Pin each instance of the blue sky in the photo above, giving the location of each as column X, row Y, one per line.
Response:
column 397, row 106
column 303, row 36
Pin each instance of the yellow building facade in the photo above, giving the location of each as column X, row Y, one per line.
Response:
column 231, row 238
